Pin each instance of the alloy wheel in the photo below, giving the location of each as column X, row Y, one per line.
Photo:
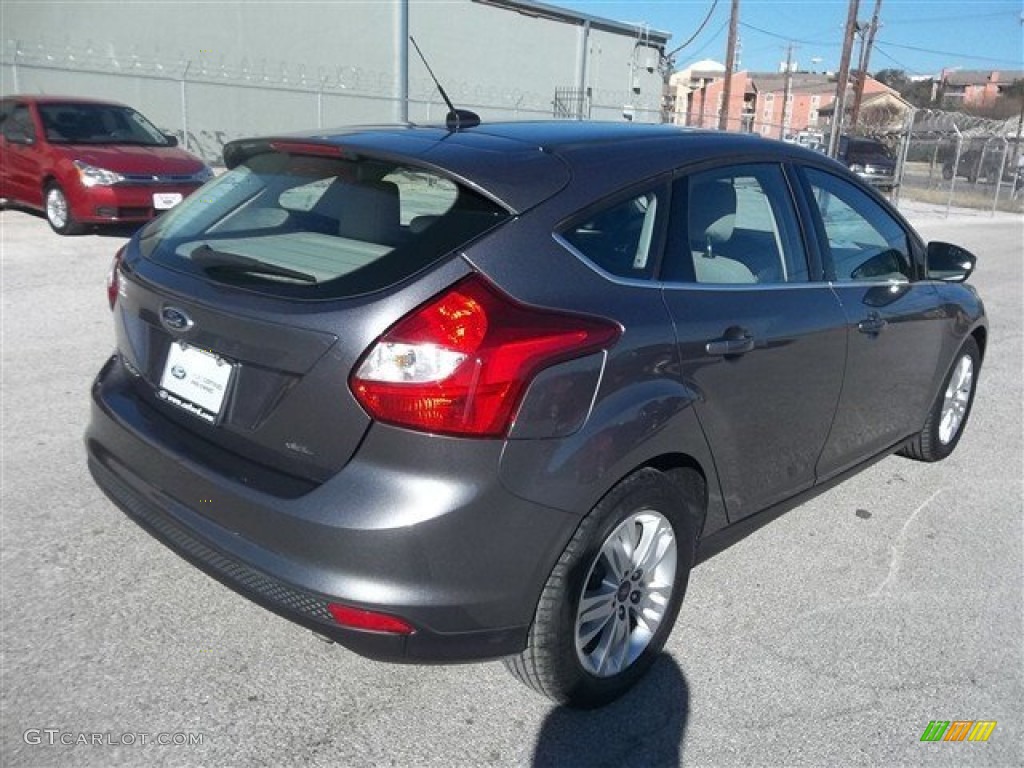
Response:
column 626, row 594
column 956, row 399
column 56, row 208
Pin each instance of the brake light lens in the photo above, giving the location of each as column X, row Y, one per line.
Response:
column 307, row 148
column 114, row 278
column 357, row 618
column 459, row 364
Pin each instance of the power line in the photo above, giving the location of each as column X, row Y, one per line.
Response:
column 951, row 54
column 693, row 37
column 787, row 38
column 710, row 40
column 937, row 19
column 899, row 64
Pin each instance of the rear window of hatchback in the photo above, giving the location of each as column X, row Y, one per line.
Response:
column 310, row 226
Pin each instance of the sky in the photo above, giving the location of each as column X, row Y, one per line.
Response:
column 920, row 37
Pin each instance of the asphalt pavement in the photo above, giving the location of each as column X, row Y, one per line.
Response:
column 831, row 637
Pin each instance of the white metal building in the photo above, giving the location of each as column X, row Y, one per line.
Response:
column 212, row 71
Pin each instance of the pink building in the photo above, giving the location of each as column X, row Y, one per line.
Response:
column 975, row 88
column 759, row 103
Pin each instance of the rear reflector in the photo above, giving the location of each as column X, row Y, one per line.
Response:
column 459, row 365
column 357, row 618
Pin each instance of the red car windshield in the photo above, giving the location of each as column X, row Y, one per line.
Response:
column 98, row 124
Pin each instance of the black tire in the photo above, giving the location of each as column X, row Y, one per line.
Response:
column 938, row 439
column 947, row 172
column 58, row 211
column 551, row 664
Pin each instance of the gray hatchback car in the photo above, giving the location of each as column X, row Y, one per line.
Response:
column 456, row 394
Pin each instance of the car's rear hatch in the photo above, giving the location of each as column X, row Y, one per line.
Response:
column 241, row 314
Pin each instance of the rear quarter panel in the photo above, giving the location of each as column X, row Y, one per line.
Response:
column 641, row 411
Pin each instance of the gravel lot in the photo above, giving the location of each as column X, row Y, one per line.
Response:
column 831, row 637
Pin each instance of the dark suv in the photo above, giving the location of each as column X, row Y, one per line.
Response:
column 444, row 395
column 870, row 159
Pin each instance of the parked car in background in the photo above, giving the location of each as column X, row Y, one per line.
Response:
column 979, row 162
column 90, row 162
column 455, row 394
column 870, row 159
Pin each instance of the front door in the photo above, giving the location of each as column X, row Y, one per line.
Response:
column 893, row 347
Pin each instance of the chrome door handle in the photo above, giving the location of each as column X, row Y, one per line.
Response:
column 872, row 324
column 730, row 346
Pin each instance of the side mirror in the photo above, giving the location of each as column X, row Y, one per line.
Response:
column 949, row 262
column 172, row 140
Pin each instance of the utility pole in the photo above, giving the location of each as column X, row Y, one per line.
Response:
column 730, row 53
column 839, row 104
column 402, row 61
column 865, row 59
column 788, row 91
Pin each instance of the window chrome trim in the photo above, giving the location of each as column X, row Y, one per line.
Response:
column 619, row 280
column 677, row 286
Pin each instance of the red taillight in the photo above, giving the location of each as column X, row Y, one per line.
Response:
column 114, row 278
column 357, row 618
column 459, row 364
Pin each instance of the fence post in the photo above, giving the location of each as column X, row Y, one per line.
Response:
column 902, row 160
column 14, row 66
column 184, row 105
column 935, row 158
column 999, row 178
column 320, row 100
column 956, row 168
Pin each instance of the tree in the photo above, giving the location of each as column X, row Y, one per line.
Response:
column 917, row 92
column 895, row 78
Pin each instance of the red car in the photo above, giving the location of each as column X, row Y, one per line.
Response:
column 90, row 162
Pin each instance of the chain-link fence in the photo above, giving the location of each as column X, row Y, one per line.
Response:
column 946, row 158
column 954, row 159
column 207, row 100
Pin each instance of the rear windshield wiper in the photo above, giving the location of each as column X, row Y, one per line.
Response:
column 209, row 258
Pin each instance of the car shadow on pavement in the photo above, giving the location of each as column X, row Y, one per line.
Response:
column 643, row 728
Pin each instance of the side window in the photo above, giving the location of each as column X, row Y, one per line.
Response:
column 620, row 238
column 18, row 124
column 734, row 225
column 866, row 243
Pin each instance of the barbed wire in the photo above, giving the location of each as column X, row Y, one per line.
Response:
column 941, row 121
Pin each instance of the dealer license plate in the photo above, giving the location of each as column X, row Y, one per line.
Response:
column 195, row 380
column 164, row 200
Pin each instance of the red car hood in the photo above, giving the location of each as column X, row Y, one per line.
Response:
column 127, row 158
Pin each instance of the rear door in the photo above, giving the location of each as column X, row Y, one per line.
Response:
column 894, row 343
column 761, row 337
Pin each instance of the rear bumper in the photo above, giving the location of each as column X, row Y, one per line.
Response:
column 456, row 556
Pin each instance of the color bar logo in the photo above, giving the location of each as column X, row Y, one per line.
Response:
column 958, row 730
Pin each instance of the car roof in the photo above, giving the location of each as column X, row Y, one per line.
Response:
column 53, row 99
column 520, row 164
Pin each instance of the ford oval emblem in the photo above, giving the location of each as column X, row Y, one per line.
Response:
column 175, row 319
